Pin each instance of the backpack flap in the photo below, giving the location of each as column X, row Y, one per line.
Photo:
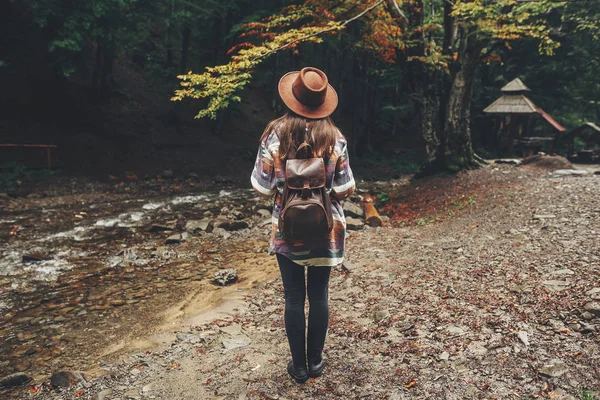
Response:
column 308, row 174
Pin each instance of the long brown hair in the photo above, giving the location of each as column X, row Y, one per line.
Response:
column 291, row 129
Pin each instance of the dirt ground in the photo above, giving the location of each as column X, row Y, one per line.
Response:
column 492, row 291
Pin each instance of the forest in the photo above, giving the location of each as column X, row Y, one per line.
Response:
column 413, row 77
column 451, row 234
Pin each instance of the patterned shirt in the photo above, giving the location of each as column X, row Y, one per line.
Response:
column 268, row 179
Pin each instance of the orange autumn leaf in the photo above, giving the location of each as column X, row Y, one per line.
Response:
column 410, row 384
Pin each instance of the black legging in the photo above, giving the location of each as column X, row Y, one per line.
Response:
column 318, row 315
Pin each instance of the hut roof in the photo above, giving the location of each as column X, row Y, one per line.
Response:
column 589, row 127
column 592, row 125
column 512, row 104
column 516, row 85
column 551, row 121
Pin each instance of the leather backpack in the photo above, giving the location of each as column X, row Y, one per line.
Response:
column 306, row 206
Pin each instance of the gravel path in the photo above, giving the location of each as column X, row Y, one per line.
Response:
column 498, row 298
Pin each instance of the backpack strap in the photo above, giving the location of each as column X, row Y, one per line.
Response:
column 298, row 149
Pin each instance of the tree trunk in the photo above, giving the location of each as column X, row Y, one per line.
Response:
column 169, row 45
column 185, row 49
column 458, row 152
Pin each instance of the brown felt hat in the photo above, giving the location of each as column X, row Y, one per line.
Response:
column 308, row 93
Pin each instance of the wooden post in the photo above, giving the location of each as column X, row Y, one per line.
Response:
column 372, row 217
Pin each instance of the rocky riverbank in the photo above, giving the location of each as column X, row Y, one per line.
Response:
column 498, row 299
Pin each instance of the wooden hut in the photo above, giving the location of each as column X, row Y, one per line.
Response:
column 589, row 134
column 516, row 111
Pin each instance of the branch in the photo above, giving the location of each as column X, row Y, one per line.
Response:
column 398, row 10
column 303, row 38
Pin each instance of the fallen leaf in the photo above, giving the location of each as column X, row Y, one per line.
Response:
column 35, row 389
column 79, row 393
column 410, row 384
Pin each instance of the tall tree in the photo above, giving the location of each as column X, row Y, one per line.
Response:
column 439, row 52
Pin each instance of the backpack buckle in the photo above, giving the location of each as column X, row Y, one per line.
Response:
column 306, row 191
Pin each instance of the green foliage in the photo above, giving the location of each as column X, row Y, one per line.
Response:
column 509, row 20
column 383, row 197
column 14, row 175
column 72, row 27
column 221, row 83
column 587, row 395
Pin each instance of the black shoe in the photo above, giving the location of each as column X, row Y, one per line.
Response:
column 299, row 374
column 316, row 370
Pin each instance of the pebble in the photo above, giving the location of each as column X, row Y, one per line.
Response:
column 175, row 239
column 594, row 293
column 567, row 172
column 380, row 315
column 229, row 225
column 160, row 228
column 103, row 395
column 593, row 307
column 555, row 285
column 65, row 378
column 354, row 224
column 13, row 380
column 554, row 369
column 195, row 226
column 524, row 337
column 234, row 343
column 352, row 210
column 264, row 213
column 226, row 276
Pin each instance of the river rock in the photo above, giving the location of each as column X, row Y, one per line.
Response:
column 232, row 330
column 175, row 239
column 106, row 394
column 95, row 373
column 569, row 172
column 132, row 394
column 354, row 224
column 380, row 315
column 510, row 161
column 34, row 258
column 226, row 276
column 593, row 307
column 221, row 233
column 160, row 228
column 264, row 213
column 594, row 293
column 13, row 380
column 183, row 337
column 353, row 210
column 554, row 369
column 234, row 343
column 196, row 226
column 229, row 225
column 477, row 348
column 556, row 286
column 524, row 337
column 66, row 378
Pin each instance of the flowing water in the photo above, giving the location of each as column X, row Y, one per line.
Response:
column 79, row 272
